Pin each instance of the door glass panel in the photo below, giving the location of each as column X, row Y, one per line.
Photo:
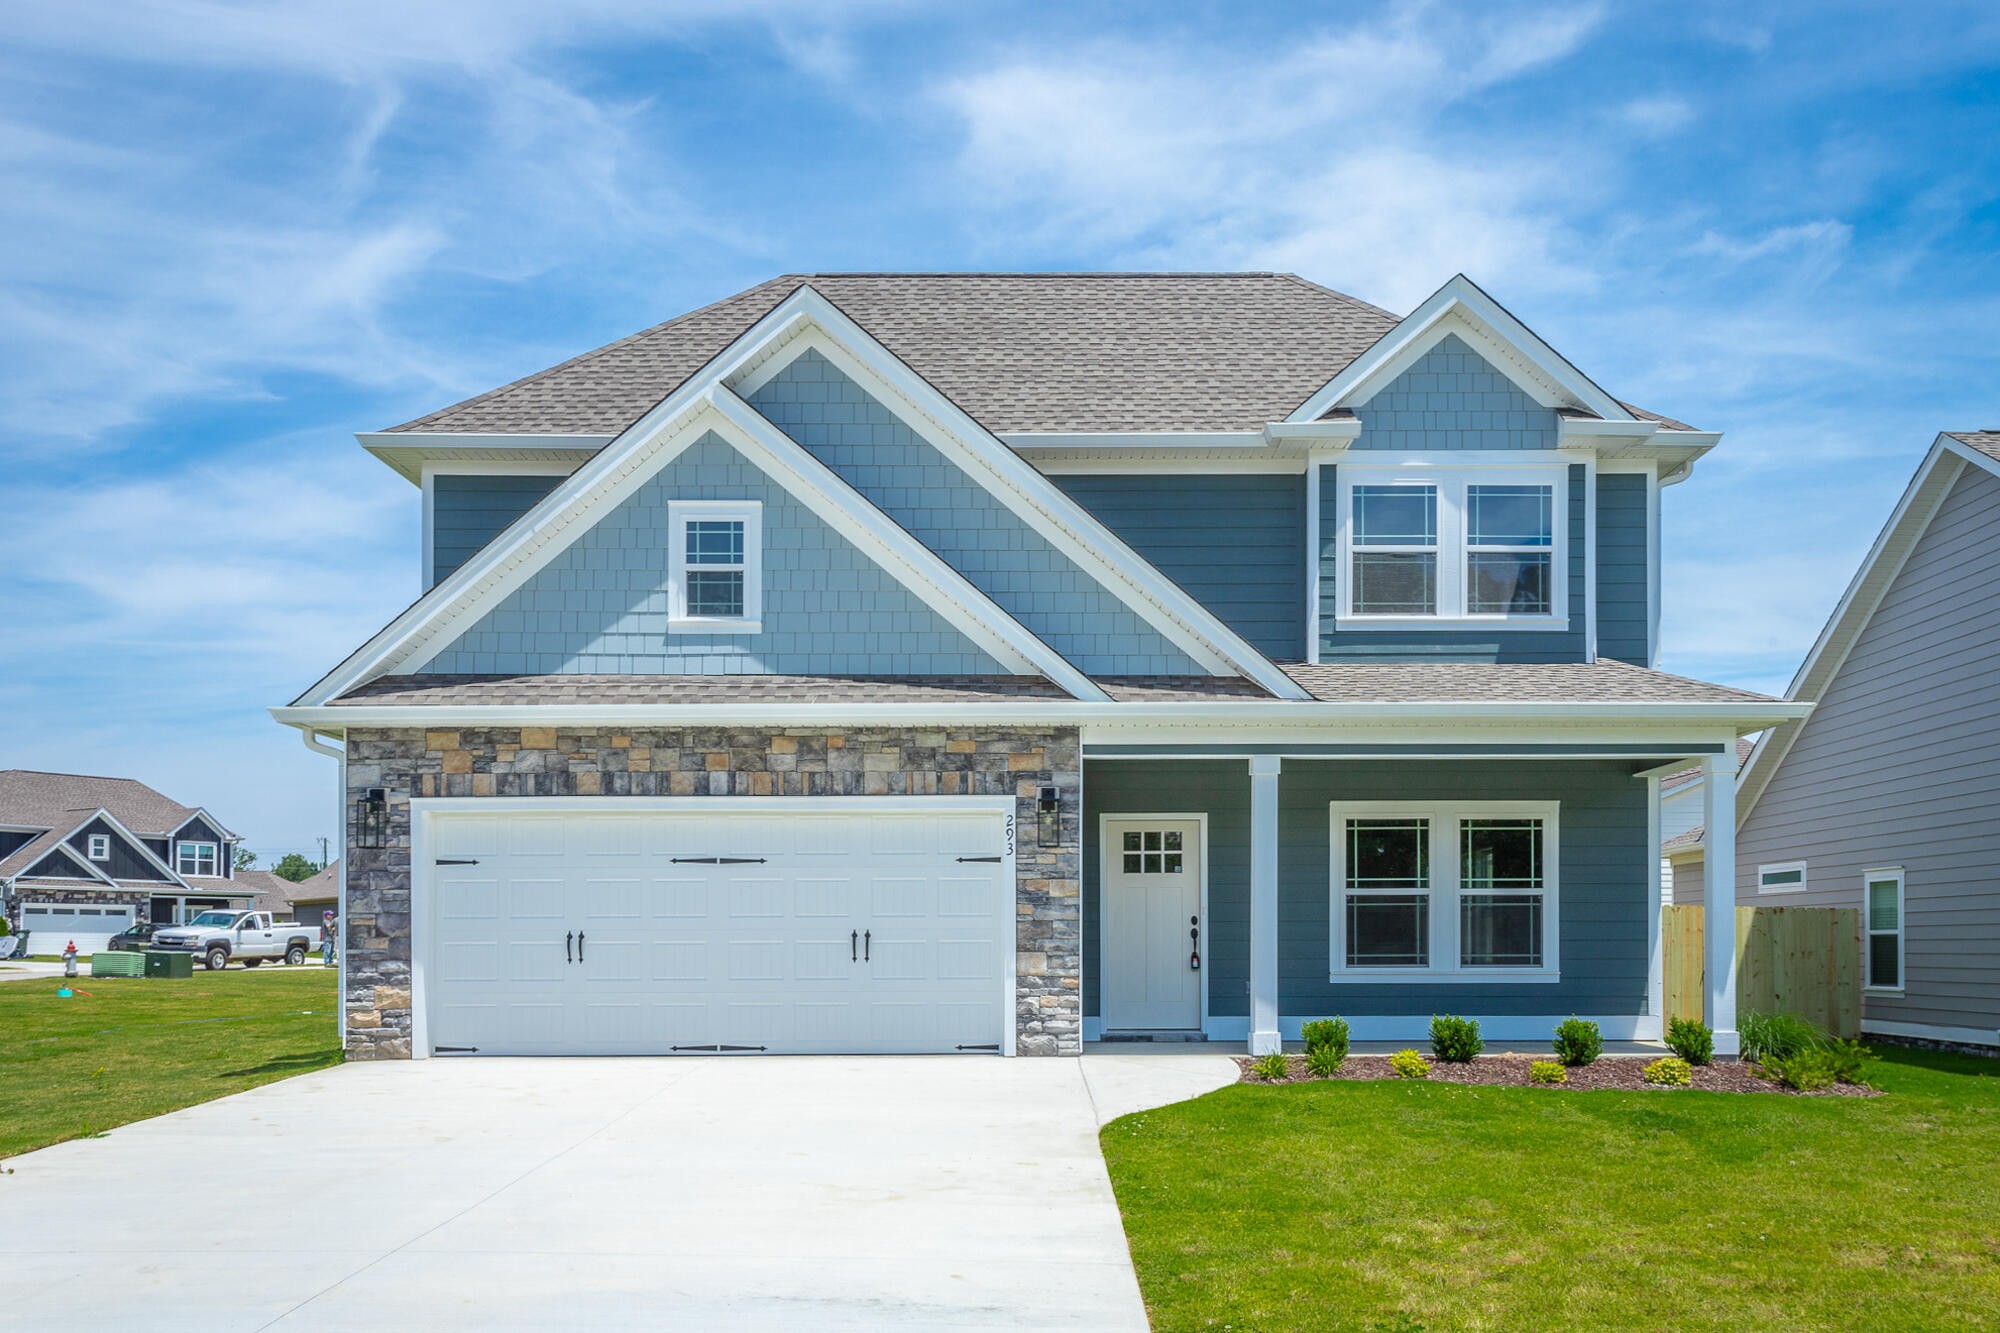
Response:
column 1173, row 863
column 1173, row 840
column 1132, row 841
column 1131, row 863
column 1152, row 840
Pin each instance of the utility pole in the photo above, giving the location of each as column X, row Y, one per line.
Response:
column 322, row 854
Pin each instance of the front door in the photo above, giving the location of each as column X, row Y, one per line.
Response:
column 1152, row 925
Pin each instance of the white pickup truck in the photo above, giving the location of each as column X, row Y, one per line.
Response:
column 246, row 937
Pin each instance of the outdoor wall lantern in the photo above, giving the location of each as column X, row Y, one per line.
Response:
column 371, row 818
column 1048, row 817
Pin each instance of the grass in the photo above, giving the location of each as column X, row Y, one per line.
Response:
column 1407, row 1206
column 124, row 1049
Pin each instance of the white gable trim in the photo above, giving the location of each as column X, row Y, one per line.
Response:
column 133, row 840
column 200, row 813
column 1460, row 307
column 1036, row 500
column 539, row 536
column 1908, row 522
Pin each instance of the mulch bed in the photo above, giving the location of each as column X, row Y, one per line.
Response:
column 1511, row 1071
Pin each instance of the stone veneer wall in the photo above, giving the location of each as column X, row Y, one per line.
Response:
column 722, row 764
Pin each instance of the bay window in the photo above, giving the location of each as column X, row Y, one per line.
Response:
column 1468, row 545
column 1430, row 892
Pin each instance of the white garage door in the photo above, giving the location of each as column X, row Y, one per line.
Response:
column 661, row 932
column 54, row 925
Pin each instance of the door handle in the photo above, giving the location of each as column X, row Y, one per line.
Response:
column 1194, row 938
column 579, row 946
column 853, row 945
column 865, row 936
column 568, row 936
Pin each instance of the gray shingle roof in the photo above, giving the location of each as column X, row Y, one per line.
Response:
column 1018, row 351
column 44, row 800
column 1985, row 441
column 1603, row 681
column 1682, row 841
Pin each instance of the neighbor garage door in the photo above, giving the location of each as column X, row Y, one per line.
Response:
column 53, row 926
column 662, row 932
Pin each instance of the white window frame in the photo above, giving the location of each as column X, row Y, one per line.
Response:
column 1868, row 932
column 191, row 845
column 1450, row 482
column 1781, row 868
column 97, row 847
column 750, row 513
column 1445, row 890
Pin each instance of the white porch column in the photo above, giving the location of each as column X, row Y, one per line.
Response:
column 1718, row 812
column 1264, row 1037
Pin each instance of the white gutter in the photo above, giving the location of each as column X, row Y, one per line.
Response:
column 314, row 744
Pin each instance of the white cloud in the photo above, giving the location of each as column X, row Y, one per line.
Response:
column 1659, row 115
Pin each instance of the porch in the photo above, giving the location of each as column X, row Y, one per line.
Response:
column 1231, row 894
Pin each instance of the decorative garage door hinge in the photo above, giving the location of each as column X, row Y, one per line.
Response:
column 454, row 1050
column 989, row 1046
column 456, row 861
column 991, row 859
column 715, row 1046
column 719, row 861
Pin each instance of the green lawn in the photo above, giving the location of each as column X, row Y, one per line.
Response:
column 124, row 1049
column 1418, row 1206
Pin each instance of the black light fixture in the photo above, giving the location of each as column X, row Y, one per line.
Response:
column 371, row 818
column 1048, row 817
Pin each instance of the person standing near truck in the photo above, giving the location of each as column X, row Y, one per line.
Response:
column 327, row 951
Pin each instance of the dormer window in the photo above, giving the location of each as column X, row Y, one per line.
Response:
column 715, row 566
column 98, row 847
column 1470, row 547
column 195, row 858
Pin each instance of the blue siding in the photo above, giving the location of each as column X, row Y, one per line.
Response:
column 1606, row 872
column 1418, row 644
column 1235, row 543
column 1453, row 398
column 876, row 453
column 1624, row 593
column 125, row 862
column 1603, row 855
column 468, row 512
column 602, row 604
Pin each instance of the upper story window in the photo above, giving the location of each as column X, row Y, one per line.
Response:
column 1475, row 546
column 715, row 566
column 98, row 847
column 195, row 858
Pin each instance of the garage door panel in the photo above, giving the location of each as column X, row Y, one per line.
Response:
column 471, row 836
column 89, row 926
column 695, row 955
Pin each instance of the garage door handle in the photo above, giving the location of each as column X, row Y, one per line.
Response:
column 568, row 937
column 853, row 938
column 992, row 859
column 579, row 946
column 865, row 936
column 455, row 861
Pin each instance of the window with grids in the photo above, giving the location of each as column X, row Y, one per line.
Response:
column 1152, row 852
column 715, row 563
column 1452, row 544
column 98, row 847
column 195, row 858
column 1445, row 889
column 1884, row 928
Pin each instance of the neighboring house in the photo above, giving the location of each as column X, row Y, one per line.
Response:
column 309, row 899
column 921, row 662
column 1888, row 798
column 1681, row 829
column 82, row 858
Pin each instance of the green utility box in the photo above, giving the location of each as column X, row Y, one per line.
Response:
column 117, row 964
column 163, row 963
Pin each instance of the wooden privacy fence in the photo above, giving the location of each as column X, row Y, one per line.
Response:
column 1794, row 960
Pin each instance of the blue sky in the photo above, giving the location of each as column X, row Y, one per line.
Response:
column 239, row 233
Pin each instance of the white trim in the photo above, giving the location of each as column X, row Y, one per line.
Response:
column 749, row 514
column 1098, row 465
column 409, row 452
column 1314, row 475
column 97, row 846
column 1445, row 891
column 425, row 810
column 1781, row 868
column 1589, row 558
column 1658, row 895
column 1415, row 1028
column 197, row 844
column 201, row 813
column 1653, row 567
column 1265, row 854
column 1718, row 889
column 1121, row 439
column 1869, row 878
column 1105, row 820
column 1513, row 349
column 1451, row 486
column 1932, row 1031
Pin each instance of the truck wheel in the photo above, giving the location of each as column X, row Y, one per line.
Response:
column 253, row 962
column 295, row 956
column 218, row 959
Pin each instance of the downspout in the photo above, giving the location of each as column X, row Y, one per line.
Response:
column 317, row 746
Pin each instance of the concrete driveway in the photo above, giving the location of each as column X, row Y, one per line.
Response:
column 694, row 1193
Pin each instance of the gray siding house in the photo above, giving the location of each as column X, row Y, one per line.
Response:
column 1887, row 798
column 1000, row 662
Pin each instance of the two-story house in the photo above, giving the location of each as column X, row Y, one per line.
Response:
column 82, row 858
column 997, row 662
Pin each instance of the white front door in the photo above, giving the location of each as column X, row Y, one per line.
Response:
column 1152, row 924
column 648, row 932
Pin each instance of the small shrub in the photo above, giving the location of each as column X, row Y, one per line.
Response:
column 1850, row 1061
column 1669, row 1071
column 1808, row 1071
column 1455, row 1040
column 1325, row 1062
column 1326, row 1034
column 1768, row 1037
column 1547, row 1071
column 1578, row 1042
column 1408, row 1064
column 1274, row 1067
column 1691, row 1040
